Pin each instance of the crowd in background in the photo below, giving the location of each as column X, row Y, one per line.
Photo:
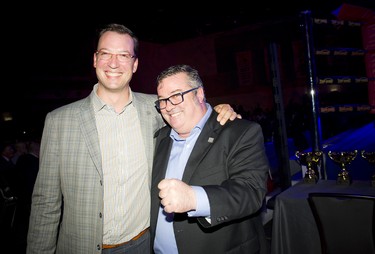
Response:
column 297, row 121
column 19, row 164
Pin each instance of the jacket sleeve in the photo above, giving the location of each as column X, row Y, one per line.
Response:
column 243, row 189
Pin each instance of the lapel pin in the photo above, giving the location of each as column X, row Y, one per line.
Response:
column 210, row 140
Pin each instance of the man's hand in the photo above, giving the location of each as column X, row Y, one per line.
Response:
column 226, row 112
column 176, row 196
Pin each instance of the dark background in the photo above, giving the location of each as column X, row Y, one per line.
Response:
column 54, row 39
column 52, row 44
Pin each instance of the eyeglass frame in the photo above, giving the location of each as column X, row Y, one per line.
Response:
column 111, row 54
column 157, row 103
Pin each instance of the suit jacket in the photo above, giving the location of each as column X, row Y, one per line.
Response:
column 27, row 169
column 8, row 177
column 70, row 174
column 230, row 163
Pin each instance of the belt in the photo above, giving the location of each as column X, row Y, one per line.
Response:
column 110, row 246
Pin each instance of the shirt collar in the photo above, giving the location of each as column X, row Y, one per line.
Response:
column 174, row 135
column 99, row 104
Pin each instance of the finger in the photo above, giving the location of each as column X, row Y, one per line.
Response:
column 228, row 115
column 162, row 194
column 164, row 202
column 163, row 184
column 234, row 115
column 219, row 119
column 168, row 209
column 218, row 108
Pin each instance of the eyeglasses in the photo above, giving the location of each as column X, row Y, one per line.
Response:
column 174, row 99
column 106, row 56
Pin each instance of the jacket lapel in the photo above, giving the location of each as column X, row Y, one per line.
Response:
column 147, row 128
column 162, row 154
column 204, row 143
column 87, row 123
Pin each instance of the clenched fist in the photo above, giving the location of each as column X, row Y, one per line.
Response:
column 176, row 196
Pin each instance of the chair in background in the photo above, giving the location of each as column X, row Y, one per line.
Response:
column 346, row 222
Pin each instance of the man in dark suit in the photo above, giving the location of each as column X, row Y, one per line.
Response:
column 8, row 198
column 7, row 170
column 208, row 180
column 27, row 167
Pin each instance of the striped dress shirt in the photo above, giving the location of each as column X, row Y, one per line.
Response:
column 125, row 172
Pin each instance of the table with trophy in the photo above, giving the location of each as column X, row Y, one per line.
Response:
column 342, row 159
column 294, row 229
column 346, row 164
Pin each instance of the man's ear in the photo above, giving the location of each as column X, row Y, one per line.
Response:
column 94, row 60
column 135, row 65
column 200, row 94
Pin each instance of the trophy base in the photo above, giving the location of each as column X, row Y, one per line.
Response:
column 343, row 181
column 310, row 179
column 344, row 178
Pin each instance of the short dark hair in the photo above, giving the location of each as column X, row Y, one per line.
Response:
column 121, row 29
column 194, row 78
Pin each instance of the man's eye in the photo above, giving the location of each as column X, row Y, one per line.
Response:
column 104, row 55
column 175, row 96
column 124, row 56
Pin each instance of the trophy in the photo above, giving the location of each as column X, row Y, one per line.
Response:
column 370, row 157
column 343, row 159
column 310, row 160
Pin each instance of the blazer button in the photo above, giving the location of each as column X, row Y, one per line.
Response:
column 100, row 215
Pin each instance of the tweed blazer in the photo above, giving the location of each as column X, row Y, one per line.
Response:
column 230, row 163
column 71, row 171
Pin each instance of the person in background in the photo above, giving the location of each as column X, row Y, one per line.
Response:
column 208, row 180
column 21, row 148
column 27, row 168
column 8, row 180
column 92, row 192
column 8, row 194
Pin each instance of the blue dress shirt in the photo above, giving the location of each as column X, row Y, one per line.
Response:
column 181, row 149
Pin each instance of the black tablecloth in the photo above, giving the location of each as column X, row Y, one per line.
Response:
column 294, row 230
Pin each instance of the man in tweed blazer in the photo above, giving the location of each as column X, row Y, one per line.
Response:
column 92, row 193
